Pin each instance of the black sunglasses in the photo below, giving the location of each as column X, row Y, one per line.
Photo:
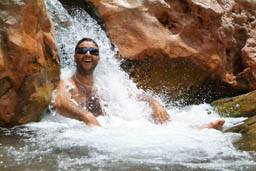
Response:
column 84, row 50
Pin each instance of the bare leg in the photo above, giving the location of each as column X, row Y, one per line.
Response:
column 215, row 124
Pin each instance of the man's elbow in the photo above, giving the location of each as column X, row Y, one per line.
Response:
column 57, row 104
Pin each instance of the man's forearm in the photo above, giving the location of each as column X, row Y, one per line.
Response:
column 148, row 99
column 70, row 109
column 160, row 115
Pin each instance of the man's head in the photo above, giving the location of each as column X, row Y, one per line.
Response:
column 83, row 40
column 86, row 56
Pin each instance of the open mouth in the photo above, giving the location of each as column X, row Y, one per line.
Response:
column 87, row 60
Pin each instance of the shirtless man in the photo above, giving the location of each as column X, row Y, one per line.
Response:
column 76, row 96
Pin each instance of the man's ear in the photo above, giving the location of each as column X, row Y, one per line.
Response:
column 75, row 58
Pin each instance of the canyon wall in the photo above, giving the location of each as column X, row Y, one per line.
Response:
column 29, row 69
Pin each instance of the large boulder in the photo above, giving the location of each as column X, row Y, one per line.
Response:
column 29, row 68
column 239, row 106
column 248, row 131
column 183, row 44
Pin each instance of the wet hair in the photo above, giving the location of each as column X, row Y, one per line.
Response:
column 85, row 40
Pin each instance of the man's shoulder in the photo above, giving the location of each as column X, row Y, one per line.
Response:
column 67, row 82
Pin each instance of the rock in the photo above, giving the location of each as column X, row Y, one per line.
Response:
column 29, row 69
column 210, row 40
column 240, row 106
column 248, row 131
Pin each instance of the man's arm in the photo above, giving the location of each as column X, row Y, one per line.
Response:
column 65, row 106
column 159, row 113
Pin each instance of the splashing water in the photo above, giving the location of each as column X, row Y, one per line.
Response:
column 128, row 140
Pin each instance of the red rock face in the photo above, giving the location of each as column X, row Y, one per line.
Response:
column 216, row 37
column 29, row 67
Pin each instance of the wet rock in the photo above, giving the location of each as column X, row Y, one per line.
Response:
column 239, row 106
column 216, row 37
column 248, row 131
column 29, row 68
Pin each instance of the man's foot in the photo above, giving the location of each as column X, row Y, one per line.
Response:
column 215, row 124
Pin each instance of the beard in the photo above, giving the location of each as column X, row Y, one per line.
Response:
column 85, row 71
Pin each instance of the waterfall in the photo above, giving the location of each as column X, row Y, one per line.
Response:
column 113, row 84
column 127, row 140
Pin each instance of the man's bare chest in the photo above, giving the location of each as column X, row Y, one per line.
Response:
column 88, row 100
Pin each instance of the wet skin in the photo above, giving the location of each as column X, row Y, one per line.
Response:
column 80, row 88
column 86, row 63
column 86, row 95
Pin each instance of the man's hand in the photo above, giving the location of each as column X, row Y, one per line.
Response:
column 159, row 113
column 91, row 120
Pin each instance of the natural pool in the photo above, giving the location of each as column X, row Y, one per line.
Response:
column 58, row 143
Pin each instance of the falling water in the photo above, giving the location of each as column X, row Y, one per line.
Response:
column 127, row 140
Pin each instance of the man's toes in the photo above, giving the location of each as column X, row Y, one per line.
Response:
column 221, row 122
column 218, row 124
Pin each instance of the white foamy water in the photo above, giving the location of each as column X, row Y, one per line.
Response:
column 127, row 140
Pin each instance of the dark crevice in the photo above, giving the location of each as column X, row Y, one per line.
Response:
column 172, row 75
column 213, row 90
column 241, row 38
column 228, row 52
column 200, row 20
column 48, row 51
column 238, row 64
column 87, row 6
column 251, row 19
column 6, row 85
column 170, row 23
column 163, row 19
column 186, row 7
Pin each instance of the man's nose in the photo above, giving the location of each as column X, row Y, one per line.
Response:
column 87, row 53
